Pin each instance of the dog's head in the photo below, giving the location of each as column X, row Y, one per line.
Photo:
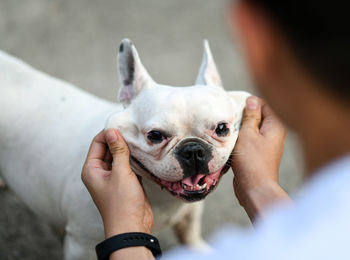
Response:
column 180, row 137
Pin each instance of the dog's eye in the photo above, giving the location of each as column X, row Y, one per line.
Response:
column 222, row 129
column 155, row 137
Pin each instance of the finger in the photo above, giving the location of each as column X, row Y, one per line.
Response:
column 93, row 177
column 119, row 151
column 108, row 160
column 108, row 157
column 252, row 114
column 270, row 125
column 98, row 147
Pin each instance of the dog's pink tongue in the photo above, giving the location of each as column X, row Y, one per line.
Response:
column 192, row 181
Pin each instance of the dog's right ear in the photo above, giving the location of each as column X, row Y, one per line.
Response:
column 132, row 74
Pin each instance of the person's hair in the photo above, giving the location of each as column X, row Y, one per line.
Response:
column 319, row 35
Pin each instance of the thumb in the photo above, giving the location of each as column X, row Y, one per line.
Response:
column 119, row 151
column 252, row 113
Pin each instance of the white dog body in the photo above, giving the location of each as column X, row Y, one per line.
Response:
column 46, row 126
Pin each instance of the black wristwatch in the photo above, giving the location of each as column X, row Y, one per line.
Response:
column 108, row 246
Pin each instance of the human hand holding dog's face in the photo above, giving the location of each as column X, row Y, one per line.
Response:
column 115, row 188
column 257, row 157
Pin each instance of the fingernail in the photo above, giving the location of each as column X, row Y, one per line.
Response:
column 111, row 136
column 252, row 103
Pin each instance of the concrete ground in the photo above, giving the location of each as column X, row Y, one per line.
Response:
column 78, row 40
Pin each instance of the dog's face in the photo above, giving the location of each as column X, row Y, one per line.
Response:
column 180, row 137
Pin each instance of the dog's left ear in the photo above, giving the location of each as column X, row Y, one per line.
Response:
column 208, row 73
column 132, row 74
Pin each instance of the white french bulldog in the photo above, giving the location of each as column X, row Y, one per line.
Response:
column 180, row 140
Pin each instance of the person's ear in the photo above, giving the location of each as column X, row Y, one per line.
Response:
column 257, row 36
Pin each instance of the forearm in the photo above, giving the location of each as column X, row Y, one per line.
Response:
column 258, row 199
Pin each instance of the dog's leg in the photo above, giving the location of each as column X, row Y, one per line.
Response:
column 188, row 227
column 77, row 248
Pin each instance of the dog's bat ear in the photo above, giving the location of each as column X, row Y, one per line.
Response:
column 208, row 73
column 132, row 74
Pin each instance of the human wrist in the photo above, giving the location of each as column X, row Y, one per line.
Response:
column 120, row 228
column 140, row 252
column 131, row 245
column 246, row 188
column 115, row 226
column 257, row 198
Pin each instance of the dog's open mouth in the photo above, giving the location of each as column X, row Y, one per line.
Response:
column 193, row 188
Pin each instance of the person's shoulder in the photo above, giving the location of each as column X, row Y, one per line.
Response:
column 318, row 223
column 330, row 184
column 315, row 227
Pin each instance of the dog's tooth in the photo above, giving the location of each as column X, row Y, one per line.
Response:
column 204, row 185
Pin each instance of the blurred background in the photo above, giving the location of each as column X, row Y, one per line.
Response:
column 78, row 40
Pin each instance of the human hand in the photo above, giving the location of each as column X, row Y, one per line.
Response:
column 114, row 187
column 256, row 158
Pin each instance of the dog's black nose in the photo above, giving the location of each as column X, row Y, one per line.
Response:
column 194, row 158
column 192, row 153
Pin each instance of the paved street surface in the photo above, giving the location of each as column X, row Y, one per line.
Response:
column 78, row 41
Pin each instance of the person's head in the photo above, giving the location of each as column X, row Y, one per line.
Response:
column 298, row 55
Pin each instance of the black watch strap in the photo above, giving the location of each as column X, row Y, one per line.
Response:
column 108, row 246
